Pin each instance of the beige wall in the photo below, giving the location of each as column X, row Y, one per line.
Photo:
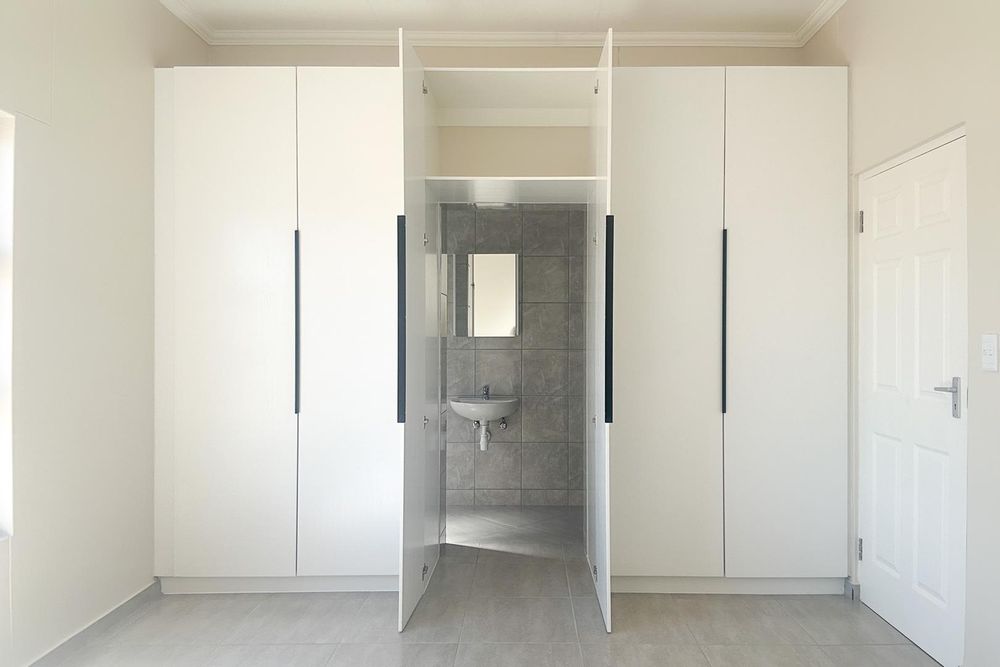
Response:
column 918, row 69
column 78, row 74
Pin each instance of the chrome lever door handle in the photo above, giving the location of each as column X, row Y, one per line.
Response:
column 956, row 396
column 947, row 390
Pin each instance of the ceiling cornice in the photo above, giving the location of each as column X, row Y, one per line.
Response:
column 214, row 37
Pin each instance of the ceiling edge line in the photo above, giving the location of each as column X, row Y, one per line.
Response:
column 819, row 18
column 183, row 12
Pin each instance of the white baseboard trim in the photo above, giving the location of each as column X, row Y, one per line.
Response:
column 345, row 584
column 728, row 586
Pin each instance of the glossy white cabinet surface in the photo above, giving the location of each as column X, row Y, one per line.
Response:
column 226, row 426
column 350, row 165
column 668, row 153
column 786, row 427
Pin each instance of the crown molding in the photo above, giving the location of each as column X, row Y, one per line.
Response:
column 214, row 37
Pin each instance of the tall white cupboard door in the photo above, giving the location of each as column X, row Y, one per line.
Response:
column 787, row 368
column 225, row 329
column 419, row 546
column 666, row 458
column 350, row 445
column 599, row 402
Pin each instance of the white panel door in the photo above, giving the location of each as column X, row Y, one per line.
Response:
column 786, row 431
column 227, row 302
column 419, row 543
column 350, row 446
column 598, row 473
column 666, row 460
column 913, row 326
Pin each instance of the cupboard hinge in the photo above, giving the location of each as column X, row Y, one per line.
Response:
column 423, row 573
column 423, row 86
column 597, row 87
column 861, row 549
column 595, row 572
column 426, row 421
column 861, row 222
column 426, row 240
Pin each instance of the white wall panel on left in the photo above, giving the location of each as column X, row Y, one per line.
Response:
column 225, row 302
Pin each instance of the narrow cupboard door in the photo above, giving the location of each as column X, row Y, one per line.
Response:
column 666, row 458
column 786, row 424
column 350, row 192
column 225, row 325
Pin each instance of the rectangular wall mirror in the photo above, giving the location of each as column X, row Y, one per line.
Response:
column 485, row 295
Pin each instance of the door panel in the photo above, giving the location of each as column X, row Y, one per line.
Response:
column 913, row 338
column 227, row 303
column 786, row 422
column 349, row 441
column 598, row 469
column 668, row 160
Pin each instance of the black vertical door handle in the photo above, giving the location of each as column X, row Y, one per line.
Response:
column 401, row 319
column 609, row 319
column 725, row 312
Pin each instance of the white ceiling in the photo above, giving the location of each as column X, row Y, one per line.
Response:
column 507, row 22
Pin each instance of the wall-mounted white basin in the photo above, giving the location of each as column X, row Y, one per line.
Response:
column 485, row 410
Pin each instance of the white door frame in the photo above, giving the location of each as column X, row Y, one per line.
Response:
column 854, row 221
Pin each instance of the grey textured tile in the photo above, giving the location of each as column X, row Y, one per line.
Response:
column 299, row 618
column 578, row 373
column 188, row 619
column 576, row 498
column 96, row 655
column 511, row 434
column 545, row 372
column 545, row 326
column 528, row 620
column 544, row 497
column 498, row 230
column 456, row 553
column 581, row 581
column 461, row 372
column 646, row 655
column 739, row 619
column 544, row 466
column 394, row 655
column 773, row 656
column 461, row 466
column 452, row 579
column 545, row 231
column 638, row 619
column 578, row 326
column 578, row 279
column 490, row 343
column 501, row 369
column 498, row 497
column 536, row 543
column 577, row 463
column 876, row 656
column 460, row 498
column 458, row 428
column 544, row 418
column 499, row 467
column 519, row 655
column 545, row 279
column 578, row 421
column 435, row 620
column 833, row 619
column 518, row 576
column 577, row 230
column 459, row 229
column 306, row 655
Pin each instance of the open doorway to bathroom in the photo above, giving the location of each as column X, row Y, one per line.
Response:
column 515, row 487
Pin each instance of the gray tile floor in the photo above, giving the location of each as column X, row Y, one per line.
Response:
column 512, row 588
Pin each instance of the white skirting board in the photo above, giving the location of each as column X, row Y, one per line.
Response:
column 728, row 586
column 346, row 584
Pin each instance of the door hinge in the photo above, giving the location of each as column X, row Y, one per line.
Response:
column 597, row 87
column 861, row 222
column 423, row 573
column 595, row 572
column 423, row 86
column 426, row 421
column 861, row 549
column 426, row 240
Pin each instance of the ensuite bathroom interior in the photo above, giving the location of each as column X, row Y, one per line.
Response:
column 515, row 280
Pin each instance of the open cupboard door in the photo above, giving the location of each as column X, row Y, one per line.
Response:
column 418, row 400
column 600, row 257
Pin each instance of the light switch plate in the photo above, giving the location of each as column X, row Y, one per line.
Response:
column 988, row 353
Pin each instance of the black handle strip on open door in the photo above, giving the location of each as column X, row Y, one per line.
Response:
column 725, row 312
column 298, row 327
column 401, row 319
column 609, row 319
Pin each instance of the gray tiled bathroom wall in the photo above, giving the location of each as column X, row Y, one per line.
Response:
column 539, row 459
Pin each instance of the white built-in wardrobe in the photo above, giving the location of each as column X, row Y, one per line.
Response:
column 298, row 397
